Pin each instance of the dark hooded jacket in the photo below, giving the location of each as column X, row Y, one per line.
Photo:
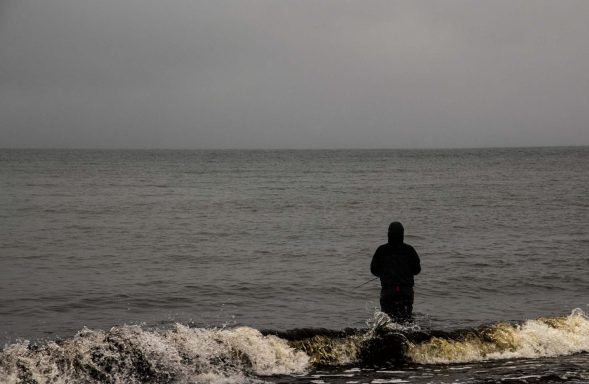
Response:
column 395, row 262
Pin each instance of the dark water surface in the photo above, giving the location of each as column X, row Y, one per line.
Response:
column 276, row 240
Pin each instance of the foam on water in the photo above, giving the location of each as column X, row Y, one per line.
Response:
column 131, row 354
column 332, row 348
column 544, row 337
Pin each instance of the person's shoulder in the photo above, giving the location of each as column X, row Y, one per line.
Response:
column 382, row 247
column 409, row 247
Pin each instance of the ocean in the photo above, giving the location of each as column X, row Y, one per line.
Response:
column 164, row 266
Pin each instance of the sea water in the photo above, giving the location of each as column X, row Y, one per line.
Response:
column 244, row 266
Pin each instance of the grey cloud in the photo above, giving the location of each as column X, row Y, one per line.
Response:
column 293, row 74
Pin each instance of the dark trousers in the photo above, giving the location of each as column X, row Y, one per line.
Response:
column 397, row 302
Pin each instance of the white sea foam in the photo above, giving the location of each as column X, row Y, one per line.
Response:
column 382, row 321
column 542, row 337
column 130, row 354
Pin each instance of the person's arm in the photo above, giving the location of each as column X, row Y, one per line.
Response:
column 375, row 264
column 416, row 262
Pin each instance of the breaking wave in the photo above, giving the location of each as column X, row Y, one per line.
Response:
column 131, row 354
column 544, row 337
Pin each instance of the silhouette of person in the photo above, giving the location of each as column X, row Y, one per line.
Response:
column 396, row 263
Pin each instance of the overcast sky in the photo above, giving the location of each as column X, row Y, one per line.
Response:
column 293, row 74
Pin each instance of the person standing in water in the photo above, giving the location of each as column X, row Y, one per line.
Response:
column 396, row 263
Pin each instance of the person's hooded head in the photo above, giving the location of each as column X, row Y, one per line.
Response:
column 396, row 233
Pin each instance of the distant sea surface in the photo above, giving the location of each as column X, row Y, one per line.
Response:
column 180, row 256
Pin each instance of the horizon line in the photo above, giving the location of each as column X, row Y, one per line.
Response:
column 290, row 149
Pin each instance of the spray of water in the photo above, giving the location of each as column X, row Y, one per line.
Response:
column 542, row 337
column 130, row 354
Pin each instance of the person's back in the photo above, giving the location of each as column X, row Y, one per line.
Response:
column 396, row 263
